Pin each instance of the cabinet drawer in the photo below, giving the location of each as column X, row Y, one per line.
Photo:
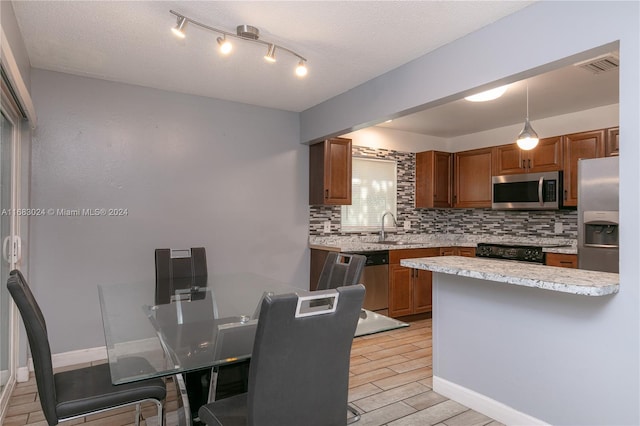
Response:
column 561, row 260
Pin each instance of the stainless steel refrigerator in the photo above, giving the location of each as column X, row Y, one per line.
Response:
column 598, row 201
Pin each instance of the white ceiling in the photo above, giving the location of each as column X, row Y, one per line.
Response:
column 558, row 92
column 346, row 43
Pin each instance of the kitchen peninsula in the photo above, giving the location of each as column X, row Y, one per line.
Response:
column 505, row 334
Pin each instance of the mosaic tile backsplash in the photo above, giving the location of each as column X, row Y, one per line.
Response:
column 450, row 221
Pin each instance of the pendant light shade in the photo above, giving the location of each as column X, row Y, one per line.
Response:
column 528, row 138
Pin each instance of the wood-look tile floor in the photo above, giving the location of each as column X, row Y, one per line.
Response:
column 390, row 382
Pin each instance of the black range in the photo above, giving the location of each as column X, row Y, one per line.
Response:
column 513, row 251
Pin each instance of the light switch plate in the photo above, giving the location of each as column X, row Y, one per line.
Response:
column 407, row 225
column 327, row 227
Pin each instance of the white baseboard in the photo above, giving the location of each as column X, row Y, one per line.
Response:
column 483, row 404
column 81, row 356
column 22, row 375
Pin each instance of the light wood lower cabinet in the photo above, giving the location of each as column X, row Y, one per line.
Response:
column 409, row 289
column 458, row 251
column 561, row 260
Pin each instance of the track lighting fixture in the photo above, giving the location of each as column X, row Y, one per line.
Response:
column 271, row 53
column 225, row 45
column 178, row 29
column 243, row 32
column 528, row 138
column 301, row 69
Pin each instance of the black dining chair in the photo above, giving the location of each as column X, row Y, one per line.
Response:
column 179, row 270
column 183, row 269
column 299, row 373
column 341, row 269
column 77, row 393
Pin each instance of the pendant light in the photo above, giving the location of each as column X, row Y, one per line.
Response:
column 528, row 138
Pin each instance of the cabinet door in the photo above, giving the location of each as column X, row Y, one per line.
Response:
column 576, row 147
column 467, row 251
column 447, row 251
column 337, row 171
column 612, row 145
column 400, row 291
column 318, row 257
column 330, row 172
column 422, row 291
column 472, row 170
column 547, row 156
column 508, row 160
column 433, row 179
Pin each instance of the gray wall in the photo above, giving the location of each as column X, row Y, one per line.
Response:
column 191, row 171
column 561, row 358
column 560, row 34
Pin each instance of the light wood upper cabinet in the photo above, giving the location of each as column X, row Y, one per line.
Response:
column 330, row 172
column 612, row 146
column 472, row 178
column 579, row 146
column 433, row 179
column 547, row 156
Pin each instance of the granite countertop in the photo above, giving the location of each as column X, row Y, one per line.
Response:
column 566, row 280
column 413, row 241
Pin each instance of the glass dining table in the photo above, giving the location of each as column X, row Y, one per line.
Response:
column 206, row 325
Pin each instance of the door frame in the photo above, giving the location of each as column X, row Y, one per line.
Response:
column 12, row 113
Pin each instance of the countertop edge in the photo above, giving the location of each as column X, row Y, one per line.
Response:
column 489, row 275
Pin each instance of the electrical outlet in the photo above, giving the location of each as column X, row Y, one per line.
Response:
column 407, row 225
column 327, row 227
column 558, row 228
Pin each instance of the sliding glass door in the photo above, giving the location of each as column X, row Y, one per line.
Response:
column 10, row 123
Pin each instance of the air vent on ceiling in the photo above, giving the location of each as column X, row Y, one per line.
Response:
column 600, row 64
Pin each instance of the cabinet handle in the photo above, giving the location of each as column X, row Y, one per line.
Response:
column 529, row 163
column 565, row 195
column 523, row 166
column 326, row 193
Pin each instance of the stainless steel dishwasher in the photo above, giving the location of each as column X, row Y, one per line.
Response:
column 375, row 277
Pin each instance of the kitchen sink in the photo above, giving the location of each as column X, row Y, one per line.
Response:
column 392, row 243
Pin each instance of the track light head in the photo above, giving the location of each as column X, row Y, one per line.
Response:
column 244, row 33
column 301, row 69
column 178, row 30
column 225, row 45
column 271, row 53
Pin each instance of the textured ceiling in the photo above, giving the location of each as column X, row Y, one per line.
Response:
column 346, row 43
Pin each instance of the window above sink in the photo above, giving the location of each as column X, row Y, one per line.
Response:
column 374, row 191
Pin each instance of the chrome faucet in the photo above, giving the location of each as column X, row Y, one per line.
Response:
column 382, row 233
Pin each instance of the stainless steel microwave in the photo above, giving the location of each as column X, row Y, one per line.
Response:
column 529, row 191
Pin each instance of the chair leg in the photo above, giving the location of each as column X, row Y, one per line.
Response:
column 161, row 420
column 355, row 412
column 137, row 414
column 213, row 384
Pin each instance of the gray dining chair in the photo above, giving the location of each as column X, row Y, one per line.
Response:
column 77, row 393
column 341, row 269
column 299, row 373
